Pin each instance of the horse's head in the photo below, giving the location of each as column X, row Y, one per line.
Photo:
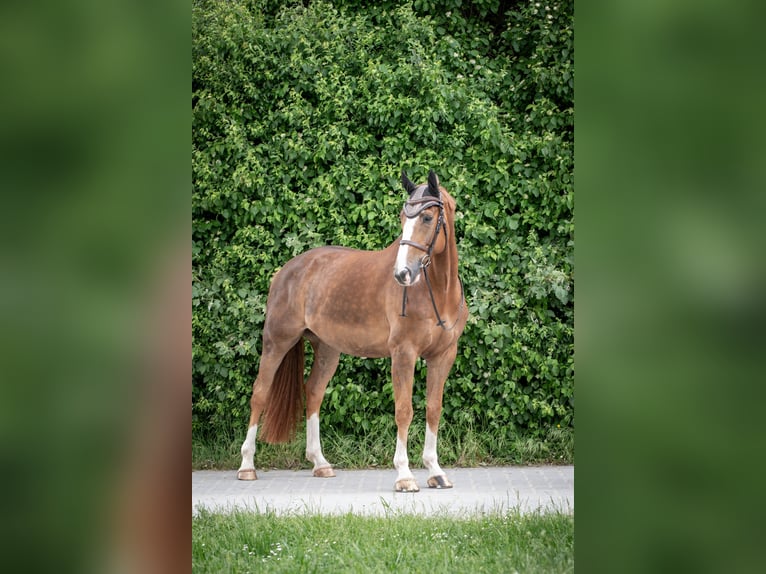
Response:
column 424, row 230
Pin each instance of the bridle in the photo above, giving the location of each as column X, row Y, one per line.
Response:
column 413, row 208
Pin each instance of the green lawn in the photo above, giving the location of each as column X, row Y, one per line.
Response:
column 247, row 542
column 462, row 447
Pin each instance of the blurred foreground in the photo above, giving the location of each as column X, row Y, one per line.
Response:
column 95, row 285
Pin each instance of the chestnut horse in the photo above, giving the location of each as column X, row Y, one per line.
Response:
column 367, row 304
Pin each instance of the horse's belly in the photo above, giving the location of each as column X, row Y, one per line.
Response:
column 359, row 340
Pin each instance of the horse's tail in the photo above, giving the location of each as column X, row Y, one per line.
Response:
column 285, row 404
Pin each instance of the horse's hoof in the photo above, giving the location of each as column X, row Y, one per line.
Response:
column 406, row 485
column 440, row 481
column 247, row 474
column 324, row 472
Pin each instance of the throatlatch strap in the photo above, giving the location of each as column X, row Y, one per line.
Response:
column 439, row 321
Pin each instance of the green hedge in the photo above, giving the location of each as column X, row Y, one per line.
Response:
column 303, row 118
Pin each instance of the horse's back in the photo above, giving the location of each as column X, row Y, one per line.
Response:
column 327, row 264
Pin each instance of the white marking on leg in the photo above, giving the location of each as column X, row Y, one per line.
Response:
column 313, row 444
column 248, row 449
column 401, row 461
column 429, row 454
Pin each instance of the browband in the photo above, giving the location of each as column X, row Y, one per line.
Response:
column 414, row 206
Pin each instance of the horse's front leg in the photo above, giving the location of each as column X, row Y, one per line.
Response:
column 402, row 373
column 438, row 369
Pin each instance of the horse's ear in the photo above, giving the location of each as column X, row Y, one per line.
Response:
column 408, row 185
column 433, row 183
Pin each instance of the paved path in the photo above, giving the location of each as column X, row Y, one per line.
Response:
column 370, row 492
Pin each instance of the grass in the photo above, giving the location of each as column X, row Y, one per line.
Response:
column 502, row 542
column 465, row 447
column 510, row 542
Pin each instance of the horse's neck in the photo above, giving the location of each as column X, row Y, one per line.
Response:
column 445, row 268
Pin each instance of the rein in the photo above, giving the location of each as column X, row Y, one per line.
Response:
column 425, row 261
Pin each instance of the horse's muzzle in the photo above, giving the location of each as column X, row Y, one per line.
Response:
column 408, row 276
column 403, row 277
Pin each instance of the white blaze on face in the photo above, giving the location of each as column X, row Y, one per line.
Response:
column 404, row 250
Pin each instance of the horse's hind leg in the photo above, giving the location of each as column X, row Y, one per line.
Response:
column 325, row 362
column 272, row 356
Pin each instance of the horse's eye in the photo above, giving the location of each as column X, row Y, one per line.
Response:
column 427, row 218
